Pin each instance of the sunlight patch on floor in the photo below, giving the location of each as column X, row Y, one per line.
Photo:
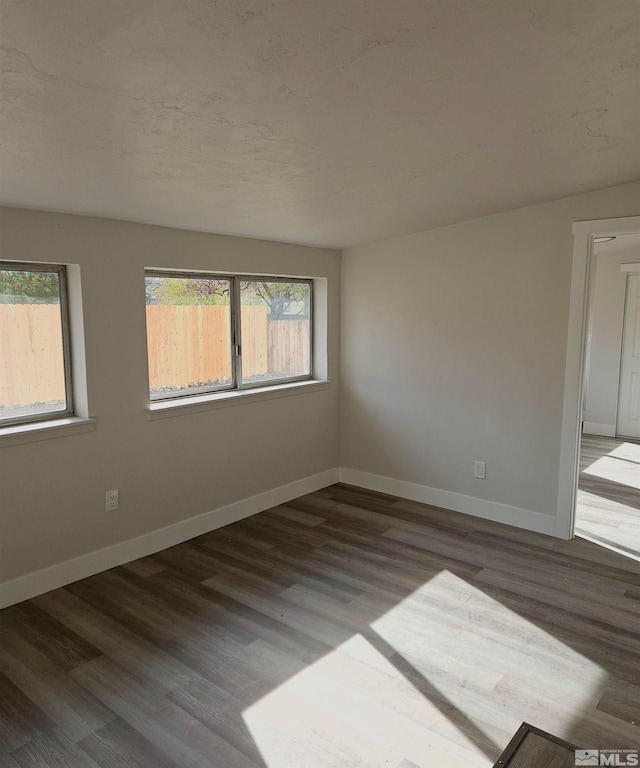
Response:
column 416, row 686
column 608, row 523
column 351, row 707
column 608, row 497
column 459, row 621
column 628, row 451
column 616, row 469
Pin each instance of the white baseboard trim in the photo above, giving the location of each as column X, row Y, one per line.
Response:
column 458, row 502
column 38, row 582
column 604, row 430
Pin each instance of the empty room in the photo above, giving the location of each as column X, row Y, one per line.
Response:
column 319, row 383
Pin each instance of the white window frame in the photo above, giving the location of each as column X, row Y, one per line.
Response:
column 61, row 270
column 235, row 280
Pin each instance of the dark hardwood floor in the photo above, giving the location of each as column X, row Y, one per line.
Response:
column 345, row 629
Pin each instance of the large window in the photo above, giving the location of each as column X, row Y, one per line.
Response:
column 35, row 371
column 207, row 333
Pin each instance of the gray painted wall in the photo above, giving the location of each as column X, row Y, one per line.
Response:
column 52, row 492
column 453, row 350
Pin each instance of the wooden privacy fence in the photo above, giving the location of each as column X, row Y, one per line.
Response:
column 287, row 347
column 189, row 344
column 31, row 359
column 185, row 345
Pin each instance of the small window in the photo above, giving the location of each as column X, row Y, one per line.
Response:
column 208, row 333
column 35, row 369
column 275, row 322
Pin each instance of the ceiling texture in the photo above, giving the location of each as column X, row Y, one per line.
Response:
column 327, row 122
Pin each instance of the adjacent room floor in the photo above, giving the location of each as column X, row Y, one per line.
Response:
column 342, row 629
column 608, row 508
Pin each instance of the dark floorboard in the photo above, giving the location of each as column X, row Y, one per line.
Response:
column 346, row 628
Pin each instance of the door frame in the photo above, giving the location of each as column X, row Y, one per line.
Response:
column 629, row 270
column 583, row 235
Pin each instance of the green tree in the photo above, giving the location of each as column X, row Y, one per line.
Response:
column 32, row 285
column 279, row 297
column 187, row 291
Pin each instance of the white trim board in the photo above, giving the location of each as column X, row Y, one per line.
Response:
column 38, row 582
column 457, row 502
column 603, row 430
column 583, row 235
column 621, row 225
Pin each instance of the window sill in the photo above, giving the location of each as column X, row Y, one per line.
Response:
column 165, row 409
column 16, row 434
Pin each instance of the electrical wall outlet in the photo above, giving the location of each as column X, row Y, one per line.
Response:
column 111, row 501
column 479, row 470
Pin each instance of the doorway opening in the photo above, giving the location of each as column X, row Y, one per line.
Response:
column 599, row 488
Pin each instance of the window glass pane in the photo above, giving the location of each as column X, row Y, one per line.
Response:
column 188, row 335
column 32, row 376
column 276, row 330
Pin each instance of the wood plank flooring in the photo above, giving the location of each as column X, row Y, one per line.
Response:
column 608, row 505
column 343, row 629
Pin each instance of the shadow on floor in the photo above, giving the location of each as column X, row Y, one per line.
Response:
column 344, row 628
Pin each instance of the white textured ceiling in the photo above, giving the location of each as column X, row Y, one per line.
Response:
column 329, row 122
